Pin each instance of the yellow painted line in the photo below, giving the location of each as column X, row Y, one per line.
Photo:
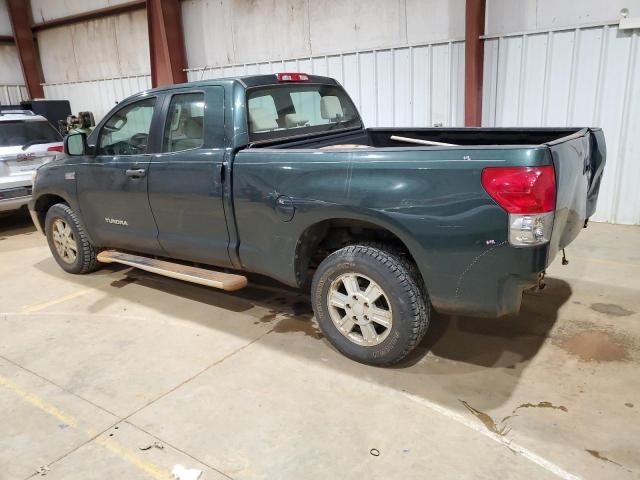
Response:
column 123, row 452
column 39, row 402
column 41, row 306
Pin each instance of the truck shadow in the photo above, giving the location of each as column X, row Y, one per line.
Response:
column 15, row 223
column 477, row 360
column 505, row 342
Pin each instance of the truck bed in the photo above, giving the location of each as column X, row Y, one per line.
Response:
column 561, row 142
column 381, row 137
column 430, row 197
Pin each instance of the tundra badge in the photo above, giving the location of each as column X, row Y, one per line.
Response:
column 116, row 221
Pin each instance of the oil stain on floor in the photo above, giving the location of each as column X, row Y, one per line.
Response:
column 291, row 323
column 611, row 309
column 485, row 418
column 595, row 346
column 502, row 428
column 600, row 456
column 297, row 324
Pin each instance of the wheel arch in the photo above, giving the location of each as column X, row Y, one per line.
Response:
column 42, row 204
column 323, row 237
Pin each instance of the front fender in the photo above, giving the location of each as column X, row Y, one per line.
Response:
column 53, row 184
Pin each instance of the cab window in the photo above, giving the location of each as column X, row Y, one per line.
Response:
column 294, row 109
column 127, row 131
column 184, row 129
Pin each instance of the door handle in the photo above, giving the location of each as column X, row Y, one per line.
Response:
column 136, row 173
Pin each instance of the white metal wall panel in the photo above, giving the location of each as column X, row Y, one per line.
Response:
column 586, row 76
column 44, row 10
column 10, row 68
column 508, row 16
column 5, row 23
column 114, row 46
column 13, row 94
column 419, row 85
column 233, row 31
column 98, row 96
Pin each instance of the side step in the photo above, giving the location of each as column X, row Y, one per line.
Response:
column 201, row 276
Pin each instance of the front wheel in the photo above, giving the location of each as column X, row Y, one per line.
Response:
column 369, row 304
column 68, row 241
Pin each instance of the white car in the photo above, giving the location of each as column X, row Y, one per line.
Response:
column 26, row 142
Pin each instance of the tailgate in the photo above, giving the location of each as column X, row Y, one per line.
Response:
column 578, row 160
column 19, row 164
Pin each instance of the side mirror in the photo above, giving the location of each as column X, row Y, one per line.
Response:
column 75, row 144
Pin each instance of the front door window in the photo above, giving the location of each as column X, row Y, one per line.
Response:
column 127, row 131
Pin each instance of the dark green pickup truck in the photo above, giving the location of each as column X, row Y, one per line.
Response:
column 276, row 174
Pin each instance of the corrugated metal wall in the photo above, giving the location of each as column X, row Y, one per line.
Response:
column 581, row 76
column 109, row 47
column 242, row 31
column 98, row 96
column 416, row 85
column 13, row 94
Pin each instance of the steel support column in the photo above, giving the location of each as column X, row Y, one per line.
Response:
column 473, row 62
column 166, row 42
column 20, row 15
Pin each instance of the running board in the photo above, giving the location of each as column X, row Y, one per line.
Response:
column 201, row 276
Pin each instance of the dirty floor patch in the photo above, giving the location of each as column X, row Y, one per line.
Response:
column 611, row 309
column 502, row 428
column 595, row 347
column 287, row 323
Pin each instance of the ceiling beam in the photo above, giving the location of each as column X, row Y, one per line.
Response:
column 7, row 39
column 473, row 62
column 166, row 42
column 91, row 15
column 20, row 16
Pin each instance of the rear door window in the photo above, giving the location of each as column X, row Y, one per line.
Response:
column 23, row 132
column 184, row 129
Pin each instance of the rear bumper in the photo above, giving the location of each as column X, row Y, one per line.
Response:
column 493, row 283
column 489, row 298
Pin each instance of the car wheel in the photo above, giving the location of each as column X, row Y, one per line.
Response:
column 370, row 304
column 68, row 241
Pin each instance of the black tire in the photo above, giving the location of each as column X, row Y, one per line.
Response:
column 403, row 291
column 85, row 258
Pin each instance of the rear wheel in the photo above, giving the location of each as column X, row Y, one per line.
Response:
column 68, row 241
column 369, row 304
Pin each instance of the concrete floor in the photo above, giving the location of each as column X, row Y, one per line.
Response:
column 96, row 369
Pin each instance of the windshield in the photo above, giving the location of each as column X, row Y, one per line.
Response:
column 19, row 132
column 287, row 110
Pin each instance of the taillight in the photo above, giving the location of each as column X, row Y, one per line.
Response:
column 522, row 189
column 528, row 194
column 56, row 148
column 292, row 77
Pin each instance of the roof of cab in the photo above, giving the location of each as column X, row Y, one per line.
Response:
column 248, row 81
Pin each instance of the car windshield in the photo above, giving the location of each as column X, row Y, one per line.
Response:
column 288, row 110
column 19, row 132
